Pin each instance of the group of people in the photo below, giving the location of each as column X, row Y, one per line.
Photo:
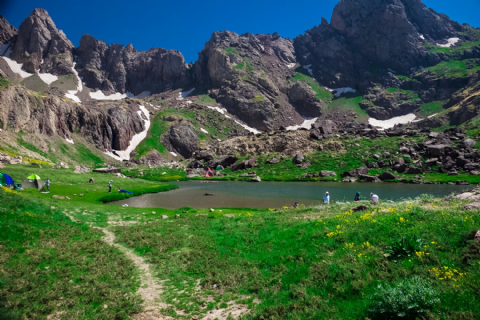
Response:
column 373, row 198
column 119, row 190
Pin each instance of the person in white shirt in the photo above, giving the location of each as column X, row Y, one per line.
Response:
column 326, row 198
column 374, row 198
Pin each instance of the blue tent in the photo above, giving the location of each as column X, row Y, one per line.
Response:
column 7, row 179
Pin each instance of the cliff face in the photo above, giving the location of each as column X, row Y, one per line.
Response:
column 364, row 35
column 122, row 69
column 107, row 126
column 41, row 46
column 7, row 32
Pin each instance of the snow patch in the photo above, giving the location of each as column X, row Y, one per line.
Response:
column 99, row 95
column 450, row 42
column 390, row 123
column 71, row 94
column 246, row 127
column 341, row 91
column 219, row 140
column 14, row 65
column 307, row 67
column 173, row 153
column 69, row 141
column 422, row 37
column 183, row 95
column 307, row 124
column 136, row 139
column 433, row 115
column 291, row 65
column 203, row 130
column 48, row 78
column 391, row 70
column 221, row 110
column 188, row 101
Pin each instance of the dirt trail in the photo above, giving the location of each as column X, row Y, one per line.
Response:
column 149, row 290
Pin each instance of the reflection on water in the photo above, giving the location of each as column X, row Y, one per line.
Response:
column 277, row 194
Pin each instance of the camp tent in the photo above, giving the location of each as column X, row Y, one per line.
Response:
column 5, row 180
column 33, row 181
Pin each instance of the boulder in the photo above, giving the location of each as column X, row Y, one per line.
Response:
column 461, row 183
column 164, row 217
column 366, row 178
column 203, row 156
column 469, row 142
column 471, row 166
column 361, row 207
column 79, row 169
column 182, row 138
column 326, row 173
column 59, row 197
column 256, row 179
column 387, row 176
column 273, row 161
column 356, row 172
column 298, row 159
column 472, row 206
column 436, row 150
column 304, row 165
column 349, row 179
column 413, row 170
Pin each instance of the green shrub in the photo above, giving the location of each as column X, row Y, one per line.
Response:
column 404, row 247
column 231, row 51
column 406, row 300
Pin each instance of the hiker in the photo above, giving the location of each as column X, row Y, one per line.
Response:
column 47, row 184
column 110, row 186
column 326, row 198
column 357, row 196
column 124, row 191
column 91, row 181
column 295, row 205
column 374, row 198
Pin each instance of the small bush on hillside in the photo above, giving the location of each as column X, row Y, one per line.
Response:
column 406, row 300
column 404, row 247
column 426, row 197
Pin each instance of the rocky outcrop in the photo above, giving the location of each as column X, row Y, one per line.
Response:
column 368, row 35
column 248, row 74
column 122, row 69
column 107, row 126
column 181, row 138
column 7, row 32
column 41, row 46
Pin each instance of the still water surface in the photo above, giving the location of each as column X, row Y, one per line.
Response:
column 278, row 194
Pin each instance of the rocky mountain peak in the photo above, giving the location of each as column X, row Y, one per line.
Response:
column 41, row 46
column 7, row 31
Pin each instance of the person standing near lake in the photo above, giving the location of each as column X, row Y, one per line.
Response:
column 357, row 196
column 47, row 184
column 326, row 198
column 374, row 198
column 110, row 186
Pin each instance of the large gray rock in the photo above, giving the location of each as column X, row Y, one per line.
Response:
column 40, row 45
column 298, row 159
column 7, row 32
column 387, row 176
column 122, row 69
column 326, row 173
column 182, row 138
column 302, row 97
column 472, row 206
column 356, row 172
column 436, row 150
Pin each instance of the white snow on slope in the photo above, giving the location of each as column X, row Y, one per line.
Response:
column 307, row 124
column 391, row 70
column 421, row 36
column 307, row 67
column 136, row 139
column 99, row 95
column 341, row 91
column 48, row 78
column 291, row 65
column 173, row 153
column 71, row 94
column 390, row 123
column 14, row 66
column 69, row 141
column 203, row 130
column 450, row 42
column 183, row 95
column 433, row 115
column 221, row 110
column 246, row 127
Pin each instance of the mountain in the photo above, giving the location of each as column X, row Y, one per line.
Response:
column 376, row 60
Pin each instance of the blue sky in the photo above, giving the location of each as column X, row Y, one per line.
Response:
column 186, row 25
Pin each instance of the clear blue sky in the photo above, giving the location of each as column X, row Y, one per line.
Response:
column 186, row 25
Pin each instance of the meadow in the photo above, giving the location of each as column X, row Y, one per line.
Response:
column 395, row 260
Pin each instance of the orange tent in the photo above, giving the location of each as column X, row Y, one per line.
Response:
column 209, row 173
